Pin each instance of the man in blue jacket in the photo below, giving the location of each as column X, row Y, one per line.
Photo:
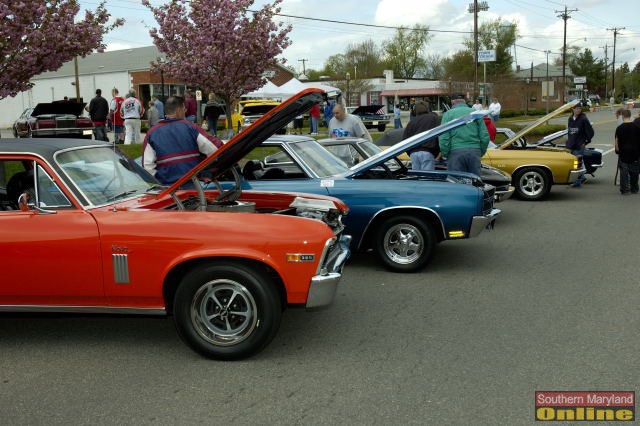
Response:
column 580, row 132
column 174, row 146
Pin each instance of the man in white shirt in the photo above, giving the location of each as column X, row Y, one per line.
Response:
column 494, row 109
column 131, row 111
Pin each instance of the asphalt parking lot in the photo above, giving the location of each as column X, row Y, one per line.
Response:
column 548, row 300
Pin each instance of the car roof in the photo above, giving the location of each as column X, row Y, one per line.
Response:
column 45, row 147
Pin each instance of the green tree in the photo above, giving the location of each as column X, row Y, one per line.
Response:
column 459, row 66
column 434, row 66
column 499, row 36
column 336, row 66
column 585, row 65
column 403, row 53
column 364, row 59
column 360, row 60
column 623, row 88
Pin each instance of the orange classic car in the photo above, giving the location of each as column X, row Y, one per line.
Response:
column 86, row 230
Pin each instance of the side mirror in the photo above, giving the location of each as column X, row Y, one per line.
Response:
column 23, row 202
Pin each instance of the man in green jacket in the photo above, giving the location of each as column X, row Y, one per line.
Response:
column 463, row 147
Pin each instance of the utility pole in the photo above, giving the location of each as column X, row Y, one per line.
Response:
column 606, row 66
column 613, row 60
column 547, row 82
column 77, row 78
column 564, row 15
column 304, row 71
column 474, row 8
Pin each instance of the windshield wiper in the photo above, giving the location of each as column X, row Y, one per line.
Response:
column 156, row 187
column 123, row 194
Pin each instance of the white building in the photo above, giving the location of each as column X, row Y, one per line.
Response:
column 97, row 71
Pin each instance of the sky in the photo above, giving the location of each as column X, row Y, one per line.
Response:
column 590, row 25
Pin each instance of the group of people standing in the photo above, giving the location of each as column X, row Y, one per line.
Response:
column 125, row 115
column 463, row 147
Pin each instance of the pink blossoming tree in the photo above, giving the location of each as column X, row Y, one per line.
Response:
column 38, row 36
column 218, row 45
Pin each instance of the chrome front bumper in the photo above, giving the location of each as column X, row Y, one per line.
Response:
column 503, row 192
column 575, row 174
column 480, row 223
column 323, row 285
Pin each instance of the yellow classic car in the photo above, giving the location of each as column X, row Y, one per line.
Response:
column 246, row 112
column 534, row 169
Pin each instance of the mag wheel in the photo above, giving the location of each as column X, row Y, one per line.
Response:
column 227, row 311
column 532, row 183
column 405, row 243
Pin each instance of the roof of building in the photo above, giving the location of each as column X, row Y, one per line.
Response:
column 136, row 59
column 540, row 71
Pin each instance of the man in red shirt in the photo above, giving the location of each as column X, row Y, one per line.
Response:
column 191, row 107
column 116, row 117
column 314, row 115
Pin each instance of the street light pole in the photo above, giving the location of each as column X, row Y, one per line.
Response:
column 348, row 76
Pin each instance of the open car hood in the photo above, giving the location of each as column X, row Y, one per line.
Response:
column 367, row 109
column 241, row 144
column 538, row 123
column 58, row 108
column 414, row 141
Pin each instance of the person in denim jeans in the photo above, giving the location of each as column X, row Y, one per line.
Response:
column 579, row 134
column 463, row 147
column 397, row 123
column 628, row 150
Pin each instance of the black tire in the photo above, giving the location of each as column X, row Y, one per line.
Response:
column 381, row 127
column 227, row 311
column 405, row 243
column 532, row 183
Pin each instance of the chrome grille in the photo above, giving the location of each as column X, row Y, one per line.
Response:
column 488, row 199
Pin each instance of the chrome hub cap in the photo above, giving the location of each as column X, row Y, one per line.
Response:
column 403, row 244
column 223, row 312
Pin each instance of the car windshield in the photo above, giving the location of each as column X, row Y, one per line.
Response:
column 318, row 159
column 104, row 175
column 369, row 148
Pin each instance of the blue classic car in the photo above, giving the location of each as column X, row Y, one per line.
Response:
column 353, row 150
column 399, row 214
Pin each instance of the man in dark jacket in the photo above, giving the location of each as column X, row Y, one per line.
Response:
column 580, row 132
column 628, row 150
column 174, row 146
column 98, row 111
column 424, row 156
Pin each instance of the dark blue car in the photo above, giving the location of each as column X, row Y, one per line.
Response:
column 399, row 214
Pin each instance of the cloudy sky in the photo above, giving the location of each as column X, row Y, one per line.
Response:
column 323, row 28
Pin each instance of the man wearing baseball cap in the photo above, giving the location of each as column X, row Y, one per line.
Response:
column 580, row 132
